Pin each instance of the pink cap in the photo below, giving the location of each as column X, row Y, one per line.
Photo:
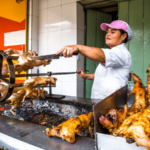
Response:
column 118, row 24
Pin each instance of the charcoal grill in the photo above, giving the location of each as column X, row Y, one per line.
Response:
column 20, row 128
column 29, row 125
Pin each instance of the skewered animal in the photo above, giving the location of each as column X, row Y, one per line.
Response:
column 139, row 96
column 113, row 118
column 5, row 69
column 15, row 100
column 36, row 93
column 38, row 63
column 3, row 90
column 44, row 80
column 18, row 67
column 69, row 128
column 25, row 62
column 31, row 83
column 11, row 51
column 137, row 127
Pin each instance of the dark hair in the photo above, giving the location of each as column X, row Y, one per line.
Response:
column 122, row 32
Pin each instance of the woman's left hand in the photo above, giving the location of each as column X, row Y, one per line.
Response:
column 68, row 50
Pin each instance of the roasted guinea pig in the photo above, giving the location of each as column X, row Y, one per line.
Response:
column 135, row 78
column 31, row 83
column 25, row 61
column 139, row 96
column 113, row 118
column 126, row 124
column 38, row 63
column 28, row 91
column 137, row 127
column 15, row 100
column 44, row 80
column 3, row 90
column 69, row 128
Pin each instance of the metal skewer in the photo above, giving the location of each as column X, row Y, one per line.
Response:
column 40, row 74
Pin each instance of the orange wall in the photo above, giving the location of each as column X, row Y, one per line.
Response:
column 7, row 25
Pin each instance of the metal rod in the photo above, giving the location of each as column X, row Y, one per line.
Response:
column 63, row 73
column 12, row 57
column 50, row 86
column 22, row 84
column 16, row 85
column 40, row 74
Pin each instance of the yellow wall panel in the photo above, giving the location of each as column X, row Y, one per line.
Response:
column 12, row 10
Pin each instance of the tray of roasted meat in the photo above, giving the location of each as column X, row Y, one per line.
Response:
column 122, row 120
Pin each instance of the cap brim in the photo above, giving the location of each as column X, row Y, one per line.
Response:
column 104, row 26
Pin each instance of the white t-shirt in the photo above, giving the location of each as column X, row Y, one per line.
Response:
column 112, row 75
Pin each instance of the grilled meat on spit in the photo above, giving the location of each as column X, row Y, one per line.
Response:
column 139, row 96
column 28, row 91
column 15, row 100
column 69, row 128
column 113, row 118
column 3, row 90
column 39, row 62
column 31, row 83
column 25, row 62
column 137, row 127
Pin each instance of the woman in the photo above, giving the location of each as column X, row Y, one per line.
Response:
column 114, row 63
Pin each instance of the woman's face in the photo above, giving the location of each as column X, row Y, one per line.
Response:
column 113, row 37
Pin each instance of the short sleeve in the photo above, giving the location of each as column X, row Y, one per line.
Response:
column 115, row 57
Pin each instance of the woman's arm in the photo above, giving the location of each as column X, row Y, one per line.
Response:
column 90, row 76
column 92, row 53
column 83, row 75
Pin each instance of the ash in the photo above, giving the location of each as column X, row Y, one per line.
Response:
column 46, row 113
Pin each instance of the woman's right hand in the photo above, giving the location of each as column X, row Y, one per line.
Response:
column 81, row 73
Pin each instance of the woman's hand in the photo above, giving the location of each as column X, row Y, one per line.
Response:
column 68, row 50
column 84, row 75
column 81, row 73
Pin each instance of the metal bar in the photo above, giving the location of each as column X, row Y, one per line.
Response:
column 12, row 57
column 45, row 57
column 1, row 64
column 11, row 75
column 16, row 85
column 22, row 84
column 53, row 56
column 62, row 73
column 50, row 86
column 40, row 74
